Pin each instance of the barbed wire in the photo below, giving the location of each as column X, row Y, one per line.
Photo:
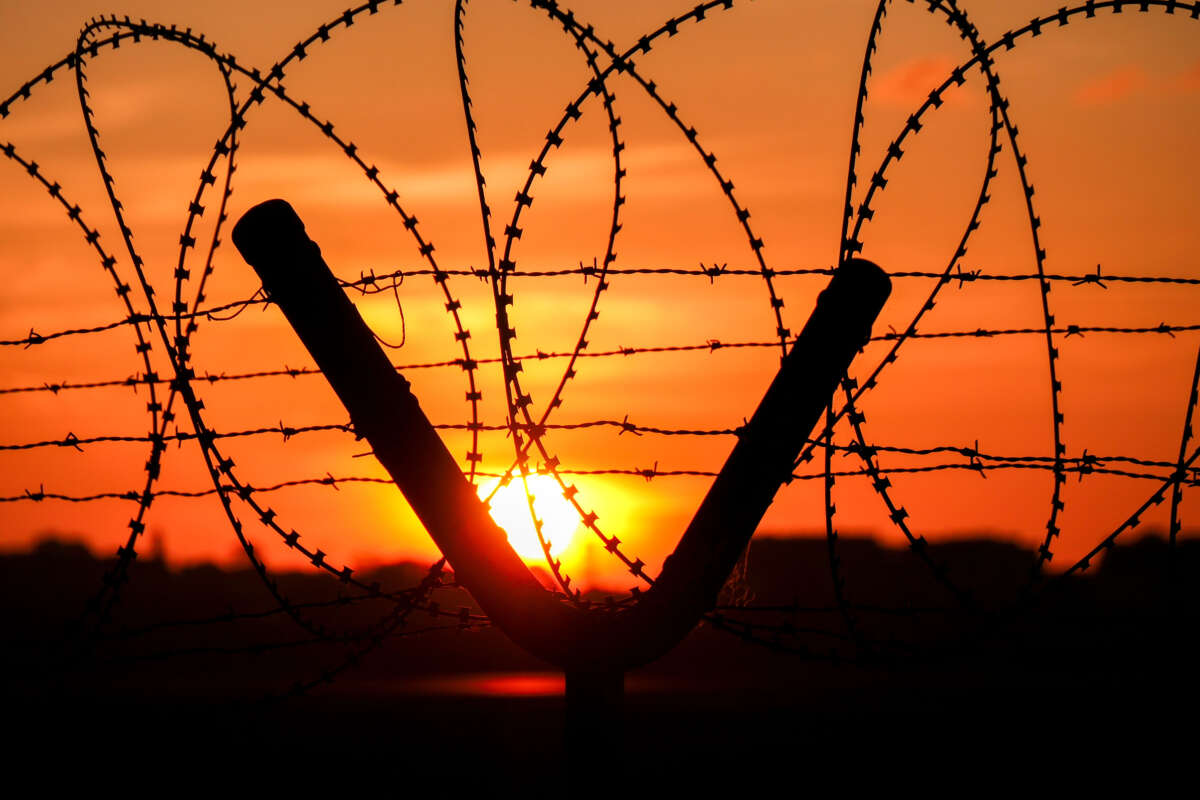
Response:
column 623, row 426
column 1083, row 466
column 710, row 346
column 370, row 284
column 174, row 324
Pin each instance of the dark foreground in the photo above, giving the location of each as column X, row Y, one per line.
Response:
column 922, row 726
column 1100, row 679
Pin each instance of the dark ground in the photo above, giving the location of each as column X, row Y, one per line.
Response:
column 1098, row 675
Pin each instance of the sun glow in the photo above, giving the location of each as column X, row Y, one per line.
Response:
column 510, row 510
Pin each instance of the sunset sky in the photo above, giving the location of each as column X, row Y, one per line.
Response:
column 1107, row 109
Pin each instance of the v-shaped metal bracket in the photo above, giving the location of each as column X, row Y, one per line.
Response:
column 384, row 411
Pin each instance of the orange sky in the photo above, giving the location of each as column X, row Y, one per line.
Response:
column 1107, row 111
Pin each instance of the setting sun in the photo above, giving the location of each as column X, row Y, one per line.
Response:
column 510, row 509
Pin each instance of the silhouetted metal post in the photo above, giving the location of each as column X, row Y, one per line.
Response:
column 595, row 702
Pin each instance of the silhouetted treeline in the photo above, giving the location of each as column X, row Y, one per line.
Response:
column 201, row 659
column 204, row 626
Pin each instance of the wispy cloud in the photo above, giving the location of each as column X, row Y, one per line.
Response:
column 326, row 178
column 1188, row 81
column 911, row 82
column 1112, row 87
